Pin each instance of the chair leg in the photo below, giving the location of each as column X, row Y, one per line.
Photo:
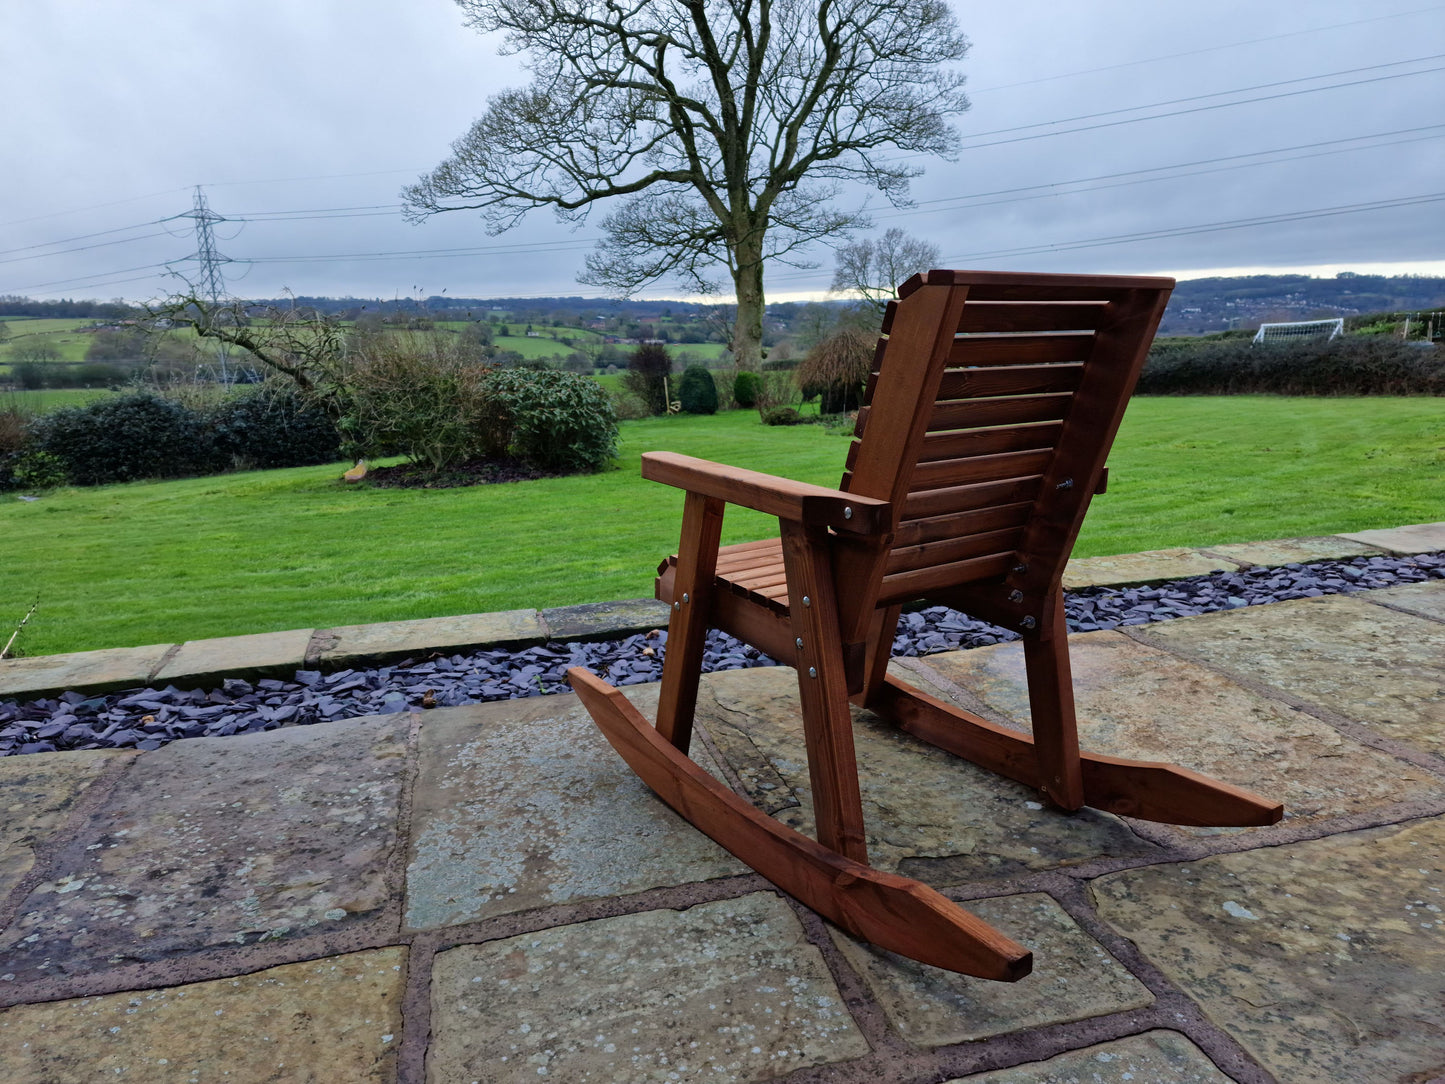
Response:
column 1051, row 707
column 823, row 691
column 687, row 627
column 880, row 650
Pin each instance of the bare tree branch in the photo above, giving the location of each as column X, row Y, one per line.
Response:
column 720, row 125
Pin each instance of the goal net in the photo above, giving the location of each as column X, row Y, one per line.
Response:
column 1300, row 330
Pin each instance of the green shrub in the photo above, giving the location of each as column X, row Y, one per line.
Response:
column 416, row 397
column 273, row 426
column 36, row 469
column 1350, row 365
column 746, row 386
column 647, row 374
column 781, row 415
column 697, row 391
column 554, row 420
column 125, row 437
column 626, row 407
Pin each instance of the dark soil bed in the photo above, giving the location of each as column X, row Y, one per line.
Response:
column 475, row 472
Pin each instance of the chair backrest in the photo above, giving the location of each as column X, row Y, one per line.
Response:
column 992, row 405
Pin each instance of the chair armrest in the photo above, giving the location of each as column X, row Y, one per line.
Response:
column 816, row 506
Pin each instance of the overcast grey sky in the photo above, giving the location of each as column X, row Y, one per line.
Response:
column 1299, row 136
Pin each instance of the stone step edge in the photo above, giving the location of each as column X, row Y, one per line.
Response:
column 205, row 663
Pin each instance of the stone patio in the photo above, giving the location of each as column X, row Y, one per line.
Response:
column 487, row 893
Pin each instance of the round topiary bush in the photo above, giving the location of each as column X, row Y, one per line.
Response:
column 696, row 391
column 553, row 420
column 273, row 426
column 125, row 437
column 781, row 415
column 746, row 386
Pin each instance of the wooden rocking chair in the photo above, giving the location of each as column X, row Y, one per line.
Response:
column 993, row 402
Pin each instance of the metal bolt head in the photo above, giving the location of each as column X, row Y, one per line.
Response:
column 677, row 605
column 847, row 511
column 812, row 671
column 1015, row 596
column 685, row 598
column 1020, row 568
column 1028, row 622
column 807, row 601
column 799, row 642
column 1067, row 483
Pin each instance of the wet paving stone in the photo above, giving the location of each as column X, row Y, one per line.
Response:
column 1426, row 599
column 1379, row 667
column 36, row 796
column 1147, row 567
column 221, row 841
column 524, row 804
column 1144, row 703
column 1325, row 960
column 928, row 814
column 1155, row 1057
column 334, row 1019
column 1073, row 979
column 1286, row 551
column 728, row 991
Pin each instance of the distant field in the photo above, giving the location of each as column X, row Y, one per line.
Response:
column 61, row 335
column 38, row 402
column 162, row 562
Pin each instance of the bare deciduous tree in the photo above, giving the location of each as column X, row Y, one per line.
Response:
column 874, row 269
column 724, row 127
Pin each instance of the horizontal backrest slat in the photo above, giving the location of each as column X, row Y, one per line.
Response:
column 958, row 443
column 940, row 502
column 1009, row 380
column 920, row 583
column 913, row 532
column 943, row 473
column 1019, row 349
column 996, row 316
column 947, row 551
column 972, row 413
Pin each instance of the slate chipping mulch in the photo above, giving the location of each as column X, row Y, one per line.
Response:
column 149, row 718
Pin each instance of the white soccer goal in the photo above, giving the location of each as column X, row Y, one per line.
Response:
column 1299, row 330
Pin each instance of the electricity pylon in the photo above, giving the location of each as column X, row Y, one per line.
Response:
column 211, row 284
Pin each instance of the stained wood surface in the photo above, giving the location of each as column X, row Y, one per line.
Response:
column 893, row 912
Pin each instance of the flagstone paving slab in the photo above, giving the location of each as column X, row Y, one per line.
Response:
column 1325, row 959
column 1382, row 668
column 614, row 619
column 353, row 645
column 1144, row 703
column 1155, row 1057
column 263, row 654
column 1073, row 979
column 928, row 814
column 218, row 841
column 1426, row 599
column 1150, row 566
column 337, row 1018
column 1416, row 538
column 37, row 793
column 728, row 991
column 1288, row 551
column 98, row 671
column 524, row 804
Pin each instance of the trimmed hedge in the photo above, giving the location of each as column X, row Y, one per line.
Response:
column 696, row 391
column 554, row 420
column 746, row 386
column 121, row 439
column 1350, row 365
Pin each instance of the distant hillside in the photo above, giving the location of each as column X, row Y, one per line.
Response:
column 1218, row 304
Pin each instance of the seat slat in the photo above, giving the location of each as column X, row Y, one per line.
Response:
column 966, row 442
column 946, row 473
column 949, row 551
column 976, row 413
column 1019, row 349
column 942, row 502
column 995, row 316
column 921, row 583
column 1009, row 380
column 914, row 532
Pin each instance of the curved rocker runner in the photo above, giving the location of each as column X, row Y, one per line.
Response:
column 993, row 402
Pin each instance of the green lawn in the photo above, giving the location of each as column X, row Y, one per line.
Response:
column 168, row 561
column 38, row 402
